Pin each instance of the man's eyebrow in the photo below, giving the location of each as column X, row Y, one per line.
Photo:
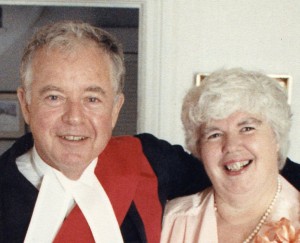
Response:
column 96, row 89
column 49, row 88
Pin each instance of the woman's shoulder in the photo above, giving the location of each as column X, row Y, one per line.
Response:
column 289, row 191
column 288, row 203
column 188, row 205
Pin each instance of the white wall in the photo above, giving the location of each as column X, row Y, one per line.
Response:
column 202, row 35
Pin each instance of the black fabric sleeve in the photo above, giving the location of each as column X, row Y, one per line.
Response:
column 178, row 172
column 1, row 219
column 291, row 171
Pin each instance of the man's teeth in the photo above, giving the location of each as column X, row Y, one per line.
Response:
column 73, row 138
column 237, row 166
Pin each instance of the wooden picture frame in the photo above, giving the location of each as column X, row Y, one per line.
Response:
column 12, row 124
column 284, row 80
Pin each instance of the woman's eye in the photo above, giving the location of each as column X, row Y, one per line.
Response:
column 214, row 135
column 247, row 129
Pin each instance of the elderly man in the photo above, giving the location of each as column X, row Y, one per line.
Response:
column 70, row 181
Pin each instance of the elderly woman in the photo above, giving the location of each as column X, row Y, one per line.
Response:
column 237, row 123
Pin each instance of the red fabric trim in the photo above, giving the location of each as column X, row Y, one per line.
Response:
column 118, row 171
column 128, row 176
column 148, row 204
column 75, row 229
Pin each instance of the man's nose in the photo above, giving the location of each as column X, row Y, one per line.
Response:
column 73, row 113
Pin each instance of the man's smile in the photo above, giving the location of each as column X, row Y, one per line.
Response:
column 73, row 138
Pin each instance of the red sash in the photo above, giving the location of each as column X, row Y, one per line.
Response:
column 126, row 176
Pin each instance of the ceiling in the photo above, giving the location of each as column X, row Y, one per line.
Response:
column 100, row 16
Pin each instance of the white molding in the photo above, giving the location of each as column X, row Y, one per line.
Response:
column 90, row 3
column 149, row 95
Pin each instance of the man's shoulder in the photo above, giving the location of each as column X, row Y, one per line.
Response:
column 123, row 139
column 159, row 147
column 125, row 143
column 21, row 146
column 291, row 165
column 291, row 171
column 149, row 139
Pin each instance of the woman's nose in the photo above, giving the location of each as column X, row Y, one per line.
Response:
column 231, row 143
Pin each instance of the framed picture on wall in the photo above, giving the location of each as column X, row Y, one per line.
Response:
column 12, row 124
column 284, row 80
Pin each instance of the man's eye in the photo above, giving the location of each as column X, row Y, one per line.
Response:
column 54, row 100
column 52, row 97
column 93, row 99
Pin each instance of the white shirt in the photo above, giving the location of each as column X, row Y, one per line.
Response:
column 34, row 168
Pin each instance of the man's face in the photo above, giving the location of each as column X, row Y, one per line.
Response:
column 73, row 107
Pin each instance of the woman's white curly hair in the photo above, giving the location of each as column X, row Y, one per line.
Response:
column 227, row 91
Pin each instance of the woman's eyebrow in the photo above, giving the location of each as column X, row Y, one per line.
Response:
column 250, row 120
column 208, row 129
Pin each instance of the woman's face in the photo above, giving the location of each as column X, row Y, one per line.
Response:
column 239, row 153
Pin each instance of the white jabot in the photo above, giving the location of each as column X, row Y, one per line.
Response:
column 49, row 212
column 94, row 204
column 56, row 199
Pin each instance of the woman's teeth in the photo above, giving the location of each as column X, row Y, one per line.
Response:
column 237, row 166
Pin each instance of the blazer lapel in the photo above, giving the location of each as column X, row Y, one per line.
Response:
column 118, row 170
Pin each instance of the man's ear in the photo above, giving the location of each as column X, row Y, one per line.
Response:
column 24, row 105
column 118, row 103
